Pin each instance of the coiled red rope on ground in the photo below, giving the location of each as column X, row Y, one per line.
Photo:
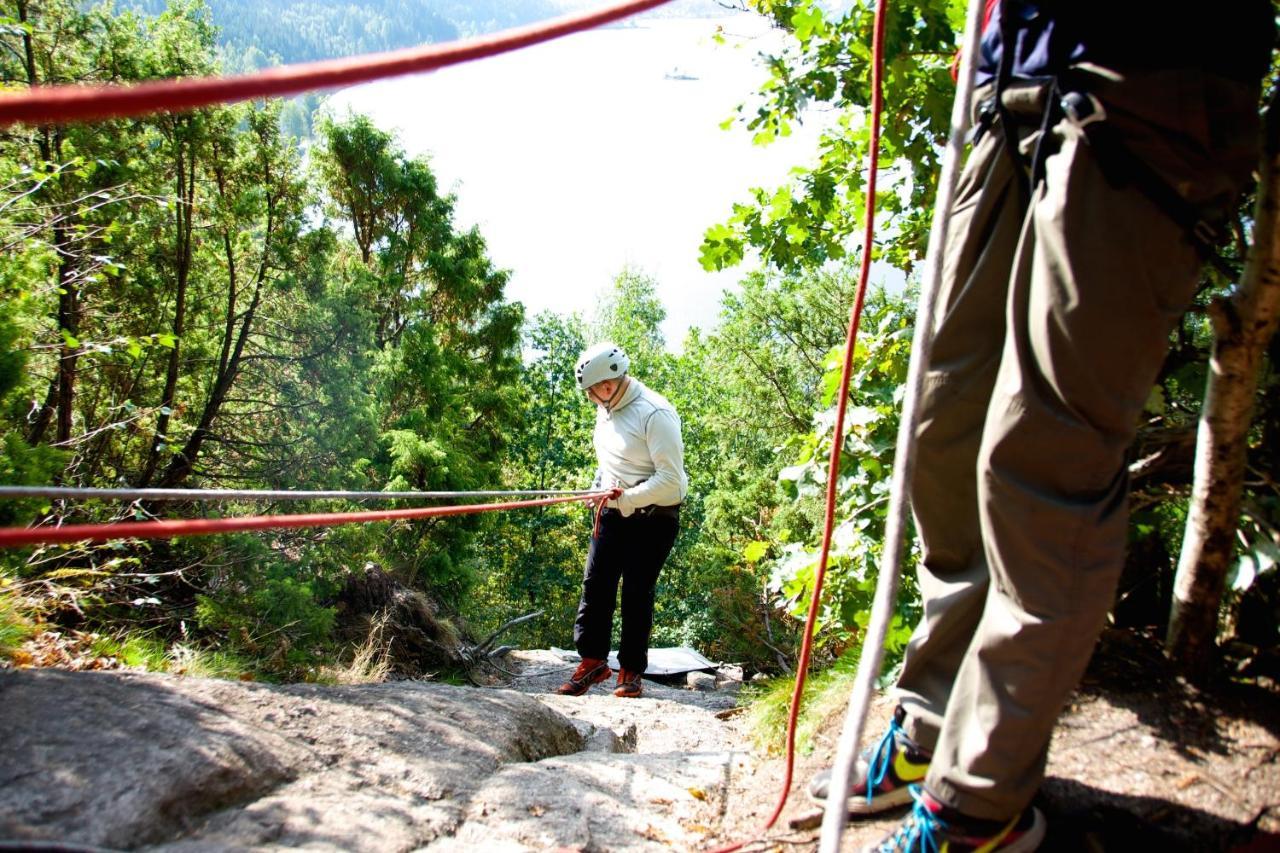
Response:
column 61, row 104
column 12, row 537
column 837, row 439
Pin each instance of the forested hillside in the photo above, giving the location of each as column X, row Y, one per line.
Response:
column 258, row 33
column 189, row 305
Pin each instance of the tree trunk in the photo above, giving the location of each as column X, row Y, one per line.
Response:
column 1243, row 326
column 184, row 215
column 233, row 344
column 69, row 353
column 35, row 434
column 44, row 417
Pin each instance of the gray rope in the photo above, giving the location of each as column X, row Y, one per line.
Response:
column 71, row 493
column 834, row 818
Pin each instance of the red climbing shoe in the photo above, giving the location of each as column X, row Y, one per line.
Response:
column 590, row 671
column 628, row 684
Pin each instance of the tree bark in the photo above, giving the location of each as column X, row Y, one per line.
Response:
column 68, row 354
column 1243, row 324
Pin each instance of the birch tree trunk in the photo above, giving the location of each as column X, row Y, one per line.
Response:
column 1243, row 325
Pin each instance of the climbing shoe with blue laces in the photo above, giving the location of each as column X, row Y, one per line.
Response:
column 883, row 773
column 931, row 827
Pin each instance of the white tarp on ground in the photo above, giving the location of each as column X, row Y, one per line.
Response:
column 661, row 661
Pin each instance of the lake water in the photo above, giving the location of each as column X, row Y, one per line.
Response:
column 595, row 151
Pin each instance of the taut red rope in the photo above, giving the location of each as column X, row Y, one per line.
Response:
column 17, row 536
column 61, row 104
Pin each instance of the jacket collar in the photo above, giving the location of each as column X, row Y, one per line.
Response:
column 633, row 390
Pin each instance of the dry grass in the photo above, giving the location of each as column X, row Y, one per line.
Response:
column 371, row 662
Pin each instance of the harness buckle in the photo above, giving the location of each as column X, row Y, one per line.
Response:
column 986, row 118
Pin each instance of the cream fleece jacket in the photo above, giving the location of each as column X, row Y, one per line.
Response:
column 639, row 449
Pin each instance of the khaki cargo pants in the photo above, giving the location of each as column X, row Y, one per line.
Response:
column 1054, row 319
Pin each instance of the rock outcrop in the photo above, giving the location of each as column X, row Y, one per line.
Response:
column 142, row 761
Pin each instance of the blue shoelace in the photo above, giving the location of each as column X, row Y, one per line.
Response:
column 881, row 757
column 919, row 833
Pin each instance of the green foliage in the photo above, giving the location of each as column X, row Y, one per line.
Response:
column 269, row 606
column 20, row 463
column 186, row 659
column 445, row 363
column 745, row 391
column 144, row 651
column 15, row 626
column 871, row 426
column 631, row 315
column 824, row 702
column 277, row 604
column 826, row 65
column 177, row 314
column 23, row 465
column 532, row 560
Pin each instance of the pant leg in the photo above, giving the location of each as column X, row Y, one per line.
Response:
column 606, row 556
column 652, row 538
column 985, row 224
column 1101, row 278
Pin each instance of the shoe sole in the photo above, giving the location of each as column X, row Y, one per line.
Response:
column 858, row 805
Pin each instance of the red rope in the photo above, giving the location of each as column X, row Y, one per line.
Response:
column 61, row 104
column 595, row 526
column 11, row 537
column 837, row 439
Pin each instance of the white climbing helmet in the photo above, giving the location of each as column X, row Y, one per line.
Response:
column 600, row 362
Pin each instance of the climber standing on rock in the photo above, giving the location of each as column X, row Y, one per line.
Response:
column 640, row 457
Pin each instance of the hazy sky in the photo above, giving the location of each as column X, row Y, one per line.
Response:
column 595, row 151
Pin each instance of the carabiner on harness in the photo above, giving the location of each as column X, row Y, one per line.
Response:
column 1082, row 109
